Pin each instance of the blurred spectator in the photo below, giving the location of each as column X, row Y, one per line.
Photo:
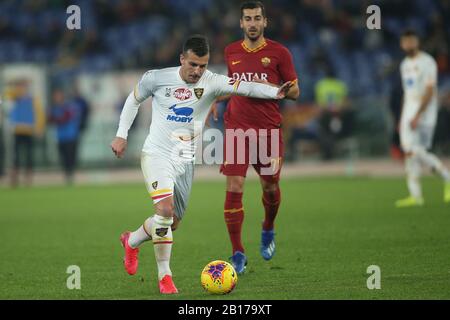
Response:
column 27, row 121
column 395, row 105
column 66, row 116
column 300, row 124
column 84, row 109
column 336, row 117
column 326, row 121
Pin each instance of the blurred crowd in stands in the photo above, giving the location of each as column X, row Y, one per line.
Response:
column 28, row 119
column 118, row 34
column 340, row 62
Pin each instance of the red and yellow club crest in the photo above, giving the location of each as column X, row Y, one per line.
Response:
column 265, row 61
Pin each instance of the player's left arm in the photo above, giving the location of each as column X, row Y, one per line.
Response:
column 287, row 72
column 224, row 85
column 431, row 84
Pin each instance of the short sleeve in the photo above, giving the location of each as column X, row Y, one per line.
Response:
column 145, row 86
column 286, row 66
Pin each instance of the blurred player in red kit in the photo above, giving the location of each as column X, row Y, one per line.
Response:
column 255, row 58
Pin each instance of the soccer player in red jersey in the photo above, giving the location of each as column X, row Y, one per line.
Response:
column 255, row 58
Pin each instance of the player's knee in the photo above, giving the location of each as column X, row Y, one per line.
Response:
column 235, row 184
column 270, row 187
column 166, row 210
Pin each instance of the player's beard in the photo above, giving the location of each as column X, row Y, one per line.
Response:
column 411, row 52
column 254, row 34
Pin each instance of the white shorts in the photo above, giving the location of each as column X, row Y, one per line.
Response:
column 165, row 178
column 421, row 137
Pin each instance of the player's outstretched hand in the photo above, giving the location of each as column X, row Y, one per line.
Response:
column 283, row 90
column 118, row 146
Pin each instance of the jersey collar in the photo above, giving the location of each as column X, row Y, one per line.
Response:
column 258, row 48
column 419, row 53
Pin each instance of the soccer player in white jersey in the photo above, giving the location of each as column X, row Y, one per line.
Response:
column 418, row 120
column 181, row 96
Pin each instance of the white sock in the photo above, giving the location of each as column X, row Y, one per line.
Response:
column 432, row 161
column 142, row 234
column 413, row 176
column 162, row 243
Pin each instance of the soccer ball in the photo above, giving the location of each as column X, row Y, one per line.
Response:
column 219, row 277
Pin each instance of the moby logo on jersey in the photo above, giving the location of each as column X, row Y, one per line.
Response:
column 182, row 114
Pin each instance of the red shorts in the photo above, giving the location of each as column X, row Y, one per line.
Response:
column 255, row 150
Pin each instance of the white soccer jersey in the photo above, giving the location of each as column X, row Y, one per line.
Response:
column 417, row 73
column 177, row 106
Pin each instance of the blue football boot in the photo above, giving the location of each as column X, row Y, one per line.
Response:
column 267, row 248
column 239, row 262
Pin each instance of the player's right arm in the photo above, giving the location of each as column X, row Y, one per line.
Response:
column 141, row 92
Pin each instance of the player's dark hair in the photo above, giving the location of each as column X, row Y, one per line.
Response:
column 253, row 5
column 198, row 44
column 410, row 33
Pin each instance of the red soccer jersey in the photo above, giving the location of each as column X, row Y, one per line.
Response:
column 272, row 62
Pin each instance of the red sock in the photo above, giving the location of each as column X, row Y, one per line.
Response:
column 234, row 216
column 271, row 202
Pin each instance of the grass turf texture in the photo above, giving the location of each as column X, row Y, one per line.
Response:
column 328, row 232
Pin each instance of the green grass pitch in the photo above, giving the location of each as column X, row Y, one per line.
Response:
column 329, row 231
